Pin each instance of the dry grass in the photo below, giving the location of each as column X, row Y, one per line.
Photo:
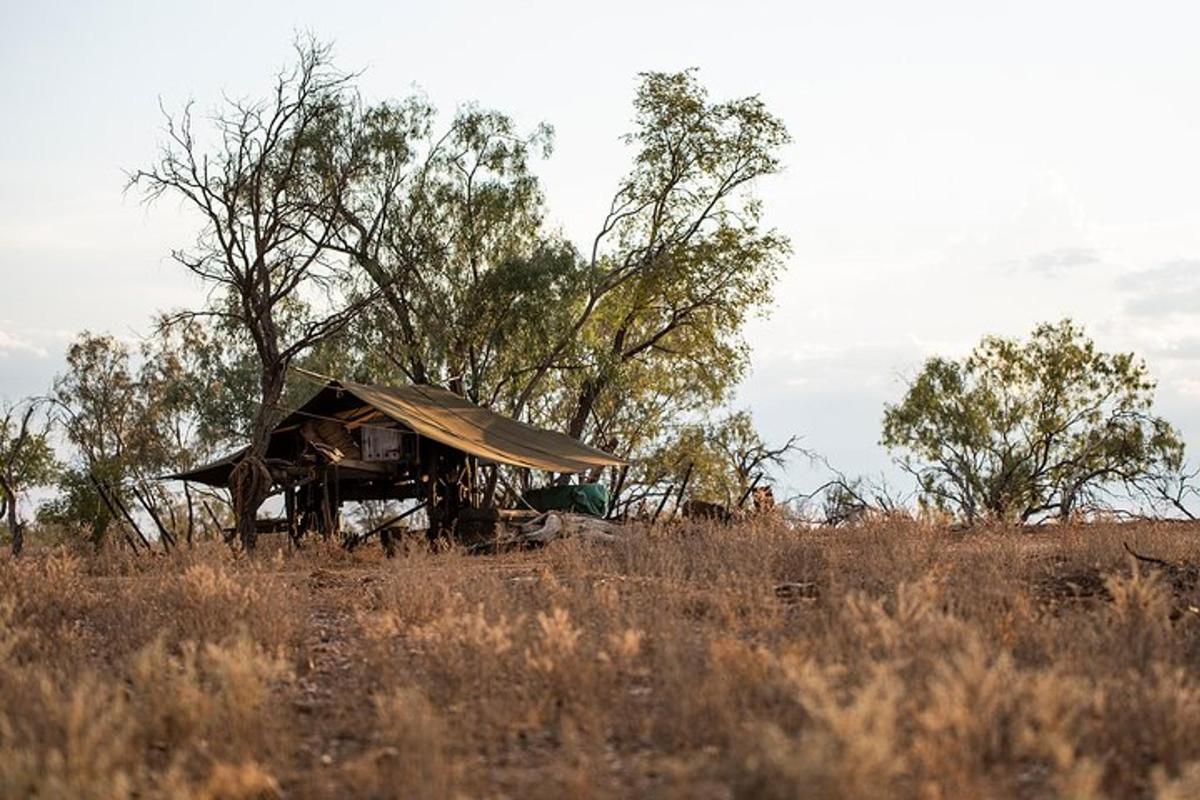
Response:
column 930, row 664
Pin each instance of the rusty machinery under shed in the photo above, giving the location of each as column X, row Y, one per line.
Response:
column 353, row 442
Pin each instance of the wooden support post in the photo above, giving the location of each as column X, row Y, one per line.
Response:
column 191, row 512
column 289, row 506
column 618, row 486
column 687, row 476
column 326, row 510
column 749, row 490
column 388, row 543
column 335, row 491
column 113, row 511
column 433, row 498
column 304, row 509
column 670, row 491
column 167, row 539
column 489, row 489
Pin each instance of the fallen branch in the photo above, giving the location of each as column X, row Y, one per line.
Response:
column 355, row 541
column 1147, row 559
column 552, row 525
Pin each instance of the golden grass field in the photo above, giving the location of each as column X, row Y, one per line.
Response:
column 929, row 664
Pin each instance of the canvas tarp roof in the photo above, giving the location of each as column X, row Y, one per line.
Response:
column 215, row 473
column 456, row 422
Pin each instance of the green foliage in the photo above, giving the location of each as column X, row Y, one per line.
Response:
column 447, row 227
column 128, row 425
column 77, row 504
column 27, row 459
column 725, row 457
column 366, row 240
column 25, row 452
column 103, row 417
column 680, row 261
column 1022, row 429
column 475, row 292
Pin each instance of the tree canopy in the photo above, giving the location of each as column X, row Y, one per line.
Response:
column 375, row 240
column 267, row 206
column 27, row 460
column 1023, row 429
column 448, row 225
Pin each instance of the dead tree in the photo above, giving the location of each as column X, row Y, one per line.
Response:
column 268, row 209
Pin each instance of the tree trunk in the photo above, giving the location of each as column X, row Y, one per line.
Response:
column 250, row 481
column 191, row 513
column 588, row 395
column 583, row 406
column 14, row 525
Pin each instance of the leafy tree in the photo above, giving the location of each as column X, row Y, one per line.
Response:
column 129, row 426
column 26, row 461
column 97, row 396
column 1019, row 430
column 447, row 225
column 680, row 260
column 268, row 213
column 722, row 460
column 77, row 504
column 102, row 416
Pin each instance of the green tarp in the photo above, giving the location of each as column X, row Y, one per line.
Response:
column 584, row 498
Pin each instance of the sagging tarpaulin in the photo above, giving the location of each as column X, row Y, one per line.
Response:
column 442, row 416
column 456, row 422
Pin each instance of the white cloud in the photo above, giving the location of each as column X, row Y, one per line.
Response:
column 1168, row 289
column 1186, row 348
column 11, row 343
column 1188, row 387
column 1063, row 259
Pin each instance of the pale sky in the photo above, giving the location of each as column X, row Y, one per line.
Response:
column 959, row 168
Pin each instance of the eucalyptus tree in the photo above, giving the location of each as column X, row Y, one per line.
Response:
column 445, row 223
column 268, row 214
column 98, row 400
column 131, row 415
column 448, row 224
column 97, row 406
column 680, row 261
column 1023, row 429
column 721, row 460
column 126, row 425
column 26, row 461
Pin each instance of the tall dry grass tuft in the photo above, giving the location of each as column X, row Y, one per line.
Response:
column 163, row 683
column 894, row 659
column 411, row 753
column 73, row 740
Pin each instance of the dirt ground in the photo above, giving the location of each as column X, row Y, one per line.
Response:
column 894, row 659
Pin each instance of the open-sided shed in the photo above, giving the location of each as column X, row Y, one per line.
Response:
column 353, row 441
